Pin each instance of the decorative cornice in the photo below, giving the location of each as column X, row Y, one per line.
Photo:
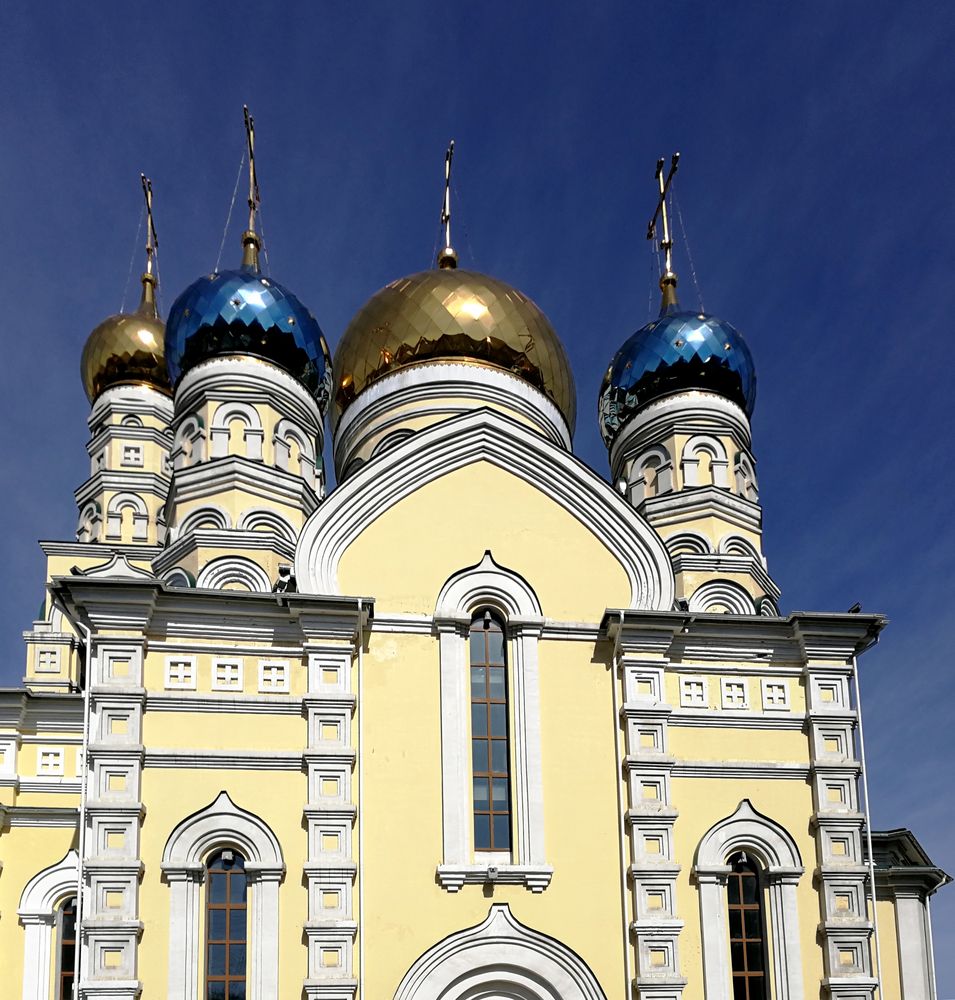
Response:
column 235, row 472
column 534, row 877
column 230, row 704
column 250, row 760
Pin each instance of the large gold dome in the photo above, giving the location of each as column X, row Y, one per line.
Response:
column 127, row 348
column 448, row 315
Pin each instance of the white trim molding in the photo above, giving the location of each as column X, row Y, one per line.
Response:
column 484, row 435
column 222, row 824
column 37, row 912
column 748, row 830
column 502, row 959
column 219, row 573
column 489, row 585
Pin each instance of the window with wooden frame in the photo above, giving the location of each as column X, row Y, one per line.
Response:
column 490, row 750
column 747, row 923
column 66, row 951
column 226, row 927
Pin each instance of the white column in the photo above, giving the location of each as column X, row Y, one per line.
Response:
column 716, row 969
column 264, row 931
column 455, row 767
column 184, row 894
column 37, row 948
column 527, row 750
column 915, row 957
column 787, row 954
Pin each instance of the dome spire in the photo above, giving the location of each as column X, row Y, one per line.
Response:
column 147, row 304
column 447, row 258
column 668, row 281
column 250, row 238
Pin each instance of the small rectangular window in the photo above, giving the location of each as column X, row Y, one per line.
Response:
column 775, row 696
column 49, row 761
column 227, row 675
column 132, row 454
column 273, row 676
column 735, row 694
column 48, row 661
column 181, row 673
column 693, row 693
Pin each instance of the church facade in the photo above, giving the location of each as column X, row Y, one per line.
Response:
column 475, row 723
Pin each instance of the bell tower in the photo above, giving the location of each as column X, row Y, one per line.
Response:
column 675, row 408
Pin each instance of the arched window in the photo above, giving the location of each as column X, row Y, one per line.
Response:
column 490, row 753
column 226, row 934
column 744, row 895
column 66, row 952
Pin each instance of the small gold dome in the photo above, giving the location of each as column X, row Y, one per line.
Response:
column 127, row 348
column 449, row 315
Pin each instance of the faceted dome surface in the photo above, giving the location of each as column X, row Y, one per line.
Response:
column 447, row 315
column 243, row 312
column 125, row 349
column 679, row 350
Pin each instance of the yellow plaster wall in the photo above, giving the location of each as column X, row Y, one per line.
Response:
column 277, row 798
column 464, row 513
column 889, row 947
column 712, row 744
column 406, row 910
column 702, row 803
column 224, row 731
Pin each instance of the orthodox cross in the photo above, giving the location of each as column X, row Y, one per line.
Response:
column 152, row 240
column 446, row 209
column 666, row 244
column 253, row 179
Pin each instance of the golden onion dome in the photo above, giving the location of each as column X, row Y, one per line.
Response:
column 127, row 348
column 452, row 315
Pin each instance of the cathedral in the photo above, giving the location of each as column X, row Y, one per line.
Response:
column 474, row 723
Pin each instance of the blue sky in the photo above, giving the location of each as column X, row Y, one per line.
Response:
column 815, row 189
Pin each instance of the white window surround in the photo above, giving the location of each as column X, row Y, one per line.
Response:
column 227, row 673
column 222, row 824
column 132, row 455
column 775, row 695
column 776, row 851
column 694, row 692
column 48, row 661
column 500, row 958
column 273, row 676
column 41, row 897
column 489, row 585
column 180, row 673
column 49, row 760
column 734, row 693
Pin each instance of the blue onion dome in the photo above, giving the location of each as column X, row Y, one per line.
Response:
column 127, row 349
column 679, row 350
column 242, row 312
column 446, row 314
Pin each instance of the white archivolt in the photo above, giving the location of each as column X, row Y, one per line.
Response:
column 500, row 959
column 223, row 824
column 37, row 912
column 484, row 435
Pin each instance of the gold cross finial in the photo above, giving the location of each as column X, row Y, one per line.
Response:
column 147, row 303
column 447, row 258
column 250, row 239
column 152, row 240
column 668, row 281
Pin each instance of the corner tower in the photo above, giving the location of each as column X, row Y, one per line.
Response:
column 674, row 410
column 439, row 343
column 250, row 369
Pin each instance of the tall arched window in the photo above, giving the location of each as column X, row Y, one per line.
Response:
column 490, row 753
column 226, row 934
column 66, row 936
column 744, row 890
